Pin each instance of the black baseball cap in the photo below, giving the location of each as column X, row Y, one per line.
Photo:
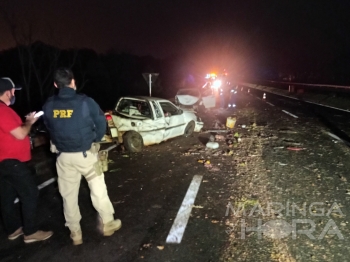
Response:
column 7, row 84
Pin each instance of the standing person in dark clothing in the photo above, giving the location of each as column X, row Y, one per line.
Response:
column 15, row 176
column 75, row 122
column 232, row 98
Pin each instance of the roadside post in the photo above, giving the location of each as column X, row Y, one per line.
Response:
column 291, row 88
column 148, row 78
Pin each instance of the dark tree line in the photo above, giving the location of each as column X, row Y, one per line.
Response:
column 104, row 77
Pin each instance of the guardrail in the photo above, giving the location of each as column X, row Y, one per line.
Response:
column 306, row 84
column 341, row 103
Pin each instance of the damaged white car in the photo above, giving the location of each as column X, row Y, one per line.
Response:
column 143, row 121
column 194, row 97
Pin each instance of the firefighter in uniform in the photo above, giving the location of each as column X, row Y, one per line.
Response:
column 232, row 98
column 222, row 97
column 75, row 122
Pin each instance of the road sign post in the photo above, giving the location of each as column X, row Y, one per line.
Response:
column 148, row 78
column 150, row 84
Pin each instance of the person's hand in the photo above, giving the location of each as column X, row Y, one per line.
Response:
column 30, row 119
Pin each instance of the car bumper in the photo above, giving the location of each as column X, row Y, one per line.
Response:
column 198, row 127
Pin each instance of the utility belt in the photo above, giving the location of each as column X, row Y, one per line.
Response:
column 102, row 156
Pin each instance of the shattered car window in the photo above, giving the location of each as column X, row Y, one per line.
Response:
column 207, row 92
column 156, row 110
column 169, row 109
column 133, row 107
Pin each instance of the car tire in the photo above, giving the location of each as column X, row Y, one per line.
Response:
column 133, row 141
column 189, row 129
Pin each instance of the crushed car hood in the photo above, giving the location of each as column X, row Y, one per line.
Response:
column 188, row 97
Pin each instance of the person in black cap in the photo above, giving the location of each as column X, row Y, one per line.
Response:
column 16, row 179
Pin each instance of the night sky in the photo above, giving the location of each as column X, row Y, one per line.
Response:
column 222, row 33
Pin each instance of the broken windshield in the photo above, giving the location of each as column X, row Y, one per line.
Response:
column 134, row 108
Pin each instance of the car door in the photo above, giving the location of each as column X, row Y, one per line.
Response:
column 156, row 126
column 174, row 119
column 187, row 97
column 208, row 98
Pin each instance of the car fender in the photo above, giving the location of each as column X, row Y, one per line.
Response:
column 191, row 116
column 151, row 131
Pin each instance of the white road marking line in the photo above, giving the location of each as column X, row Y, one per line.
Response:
column 289, row 113
column 334, row 136
column 178, row 228
column 111, row 147
column 338, row 138
column 270, row 104
column 46, row 183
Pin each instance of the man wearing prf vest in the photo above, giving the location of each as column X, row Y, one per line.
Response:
column 75, row 122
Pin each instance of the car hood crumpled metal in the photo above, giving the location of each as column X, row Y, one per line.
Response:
column 188, row 97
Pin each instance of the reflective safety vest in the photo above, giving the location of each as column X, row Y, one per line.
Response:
column 69, row 123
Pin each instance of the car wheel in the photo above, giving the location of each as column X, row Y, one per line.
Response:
column 133, row 141
column 189, row 129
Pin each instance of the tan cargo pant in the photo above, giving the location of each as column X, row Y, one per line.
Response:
column 70, row 168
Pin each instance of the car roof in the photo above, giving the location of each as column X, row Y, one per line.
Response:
column 148, row 98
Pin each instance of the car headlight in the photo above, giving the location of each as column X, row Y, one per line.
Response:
column 138, row 123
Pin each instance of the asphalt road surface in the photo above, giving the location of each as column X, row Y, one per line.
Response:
column 149, row 190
